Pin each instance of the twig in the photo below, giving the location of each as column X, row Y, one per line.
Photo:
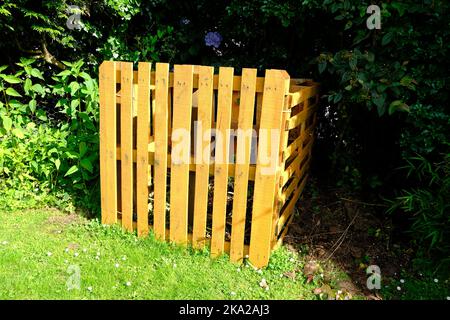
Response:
column 364, row 203
column 341, row 239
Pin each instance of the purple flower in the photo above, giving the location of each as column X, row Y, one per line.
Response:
column 213, row 39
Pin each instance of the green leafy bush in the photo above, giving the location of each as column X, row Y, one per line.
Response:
column 49, row 131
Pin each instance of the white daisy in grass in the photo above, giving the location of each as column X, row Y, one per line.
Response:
column 233, row 293
column 124, row 258
column 117, row 265
column 402, row 281
column 76, row 254
column 49, row 254
column 89, row 289
column 436, row 280
column 128, row 284
column 399, row 288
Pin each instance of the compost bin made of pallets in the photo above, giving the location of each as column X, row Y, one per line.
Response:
column 204, row 158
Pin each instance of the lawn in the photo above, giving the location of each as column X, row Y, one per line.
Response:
column 43, row 251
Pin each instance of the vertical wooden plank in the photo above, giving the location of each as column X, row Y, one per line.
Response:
column 126, row 143
column 225, row 94
column 161, row 112
column 203, row 149
column 179, row 175
column 244, row 140
column 143, row 131
column 275, row 87
column 108, row 139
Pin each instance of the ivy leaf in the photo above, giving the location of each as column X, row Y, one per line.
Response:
column 12, row 92
column 72, row 170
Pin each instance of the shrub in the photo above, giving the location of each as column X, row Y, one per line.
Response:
column 49, row 131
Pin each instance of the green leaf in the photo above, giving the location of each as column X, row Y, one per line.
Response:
column 36, row 73
column 3, row 68
column 40, row 114
column 387, row 38
column 74, row 86
column 38, row 88
column 27, row 85
column 57, row 163
column 72, row 170
column 11, row 79
column 7, row 122
column 64, row 73
column 83, row 148
column 322, row 66
column 398, row 105
column 32, row 105
column 86, row 164
column 12, row 92
column 85, row 76
column 18, row 132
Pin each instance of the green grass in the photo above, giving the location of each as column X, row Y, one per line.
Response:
column 37, row 248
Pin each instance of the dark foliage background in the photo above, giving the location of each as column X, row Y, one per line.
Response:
column 384, row 122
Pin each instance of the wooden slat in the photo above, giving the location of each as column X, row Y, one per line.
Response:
column 179, row 176
column 289, row 208
column 244, row 140
column 126, row 142
column 303, row 93
column 294, row 165
column 161, row 117
column 294, row 145
column 275, row 88
column 195, row 83
column 108, row 140
column 225, row 93
column 192, row 165
column 300, row 117
column 143, row 131
column 203, row 149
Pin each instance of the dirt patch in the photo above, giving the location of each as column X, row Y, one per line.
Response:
column 63, row 220
column 338, row 230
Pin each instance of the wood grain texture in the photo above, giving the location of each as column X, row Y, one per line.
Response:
column 108, row 139
column 126, row 143
column 275, row 88
column 179, row 175
column 221, row 157
column 161, row 148
column 243, row 148
column 143, row 132
column 203, row 151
